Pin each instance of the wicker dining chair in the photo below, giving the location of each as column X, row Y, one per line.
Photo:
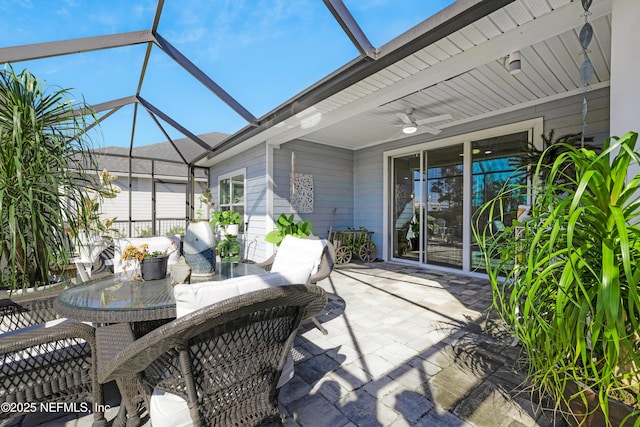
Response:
column 325, row 267
column 222, row 361
column 45, row 359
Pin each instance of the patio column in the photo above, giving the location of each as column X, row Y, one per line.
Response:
column 625, row 63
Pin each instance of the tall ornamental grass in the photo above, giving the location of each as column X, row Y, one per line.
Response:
column 45, row 158
column 566, row 278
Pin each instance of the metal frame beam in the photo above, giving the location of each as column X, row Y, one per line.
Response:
column 166, row 135
column 203, row 78
column 351, row 27
column 66, row 47
column 114, row 103
column 151, row 108
column 446, row 22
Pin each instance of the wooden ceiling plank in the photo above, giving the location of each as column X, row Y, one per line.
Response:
column 537, row 7
column 552, row 60
column 567, row 59
column 480, row 74
column 518, row 13
column 543, row 71
column 473, row 34
column 502, row 20
column 461, row 41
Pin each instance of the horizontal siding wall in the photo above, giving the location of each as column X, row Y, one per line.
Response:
column 564, row 116
column 332, row 171
column 254, row 162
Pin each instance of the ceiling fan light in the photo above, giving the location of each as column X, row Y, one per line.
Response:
column 409, row 128
column 515, row 62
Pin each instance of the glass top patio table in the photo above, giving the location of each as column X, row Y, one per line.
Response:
column 116, row 299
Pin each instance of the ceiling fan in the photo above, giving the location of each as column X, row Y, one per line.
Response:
column 410, row 124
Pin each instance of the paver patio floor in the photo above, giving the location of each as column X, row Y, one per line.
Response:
column 405, row 347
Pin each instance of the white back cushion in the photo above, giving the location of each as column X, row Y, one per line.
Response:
column 294, row 251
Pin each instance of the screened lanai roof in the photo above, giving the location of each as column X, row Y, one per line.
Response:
column 180, row 70
column 214, row 78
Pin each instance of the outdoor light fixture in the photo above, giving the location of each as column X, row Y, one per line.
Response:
column 409, row 128
column 515, row 65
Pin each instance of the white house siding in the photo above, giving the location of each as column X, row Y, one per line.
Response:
column 565, row 116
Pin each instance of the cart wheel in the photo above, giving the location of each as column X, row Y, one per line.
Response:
column 368, row 252
column 343, row 255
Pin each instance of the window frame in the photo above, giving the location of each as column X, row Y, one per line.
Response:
column 242, row 203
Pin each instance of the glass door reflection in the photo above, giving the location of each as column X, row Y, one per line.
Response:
column 444, row 202
column 406, row 207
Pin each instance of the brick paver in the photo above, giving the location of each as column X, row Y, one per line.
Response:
column 405, row 347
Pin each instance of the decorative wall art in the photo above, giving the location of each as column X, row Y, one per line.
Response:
column 302, row 194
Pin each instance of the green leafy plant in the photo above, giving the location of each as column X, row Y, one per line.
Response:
column 286, row 225
column 45, row 164
column 354, row 239
column 224, row 218
column 566, row 278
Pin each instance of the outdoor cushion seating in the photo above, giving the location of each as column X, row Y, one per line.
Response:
column 190, row 298
column 320, row 253
column 45, row 359
column 311, row 251
column 156, row 243
column 221, row 363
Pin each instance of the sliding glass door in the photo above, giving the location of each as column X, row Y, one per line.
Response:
column 406, row 207
column 495, row 161
column 436, row 193
column 444, row 197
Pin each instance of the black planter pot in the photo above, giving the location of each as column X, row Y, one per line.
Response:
column 154, row 268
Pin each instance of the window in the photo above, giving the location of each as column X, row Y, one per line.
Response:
column 231, row 193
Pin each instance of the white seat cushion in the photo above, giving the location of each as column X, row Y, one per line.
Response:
column 190, row 298
column 294, row 251
column 168, row 410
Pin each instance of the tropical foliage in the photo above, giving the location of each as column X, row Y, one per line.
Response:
column 224, row 218
column 45, row 157
column 566, row 279
column 287, row 225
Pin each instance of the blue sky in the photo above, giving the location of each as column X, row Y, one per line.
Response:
column 261, row 52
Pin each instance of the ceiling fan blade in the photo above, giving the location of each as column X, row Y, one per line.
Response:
column 404, row 117
column 431, row 130
column 434, row 119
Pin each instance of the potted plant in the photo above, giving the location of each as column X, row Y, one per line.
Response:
column 287, row 225
column 228, row 222
column 206, row 201
column 566, row 278
column 92, row 231
column 45, row 163
column 153, row 265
